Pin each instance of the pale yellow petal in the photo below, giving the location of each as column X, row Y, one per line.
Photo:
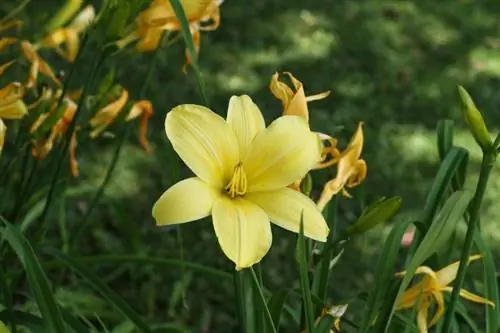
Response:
column 204, row 141
column 243, row 230
column 449, row 273
column 439, row 299
column 246, row 120
column 475, row 298
column 281, row 154
column 188, row 200
column 285, row 208
column 422, row 315
column 3, row 132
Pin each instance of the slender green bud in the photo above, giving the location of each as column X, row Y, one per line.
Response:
column 475, row 121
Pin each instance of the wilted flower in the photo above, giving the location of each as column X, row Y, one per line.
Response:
column 38, row 65
column 11, row 106
column 42, row 146
column 107, row 115
column 202, row 15
column 294, row 103
column 351, row 170
column 294, row 100
column 242, row 172
column 70, row 34
column 430, row 290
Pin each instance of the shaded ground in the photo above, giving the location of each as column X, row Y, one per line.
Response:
column 394, row 65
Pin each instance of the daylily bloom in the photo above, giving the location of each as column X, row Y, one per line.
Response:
column 42, row 147
column 202, row 15
column 294, row 100
column 242, row 170
column 294, row 103
column 107, row 115
column 11, row 106
column 351, row 170
column 430, row 289
column 335, row 311
column 38, row 65
column 70, row 34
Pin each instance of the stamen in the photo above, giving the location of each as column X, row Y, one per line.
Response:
column 237, row 186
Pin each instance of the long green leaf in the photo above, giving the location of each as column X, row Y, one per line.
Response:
column 276, row 303
column 445, row 137
column 38, row 282
column 262, row 301
column 383, row 274
column 100, row 287
column 490, row 282
column 304, row 279
column 143, row 260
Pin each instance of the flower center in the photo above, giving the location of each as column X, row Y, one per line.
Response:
column 237, row 186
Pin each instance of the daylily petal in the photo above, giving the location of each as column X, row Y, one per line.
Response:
column 246, row 120
column 410, row 296
column 204, row 141
column 439, row 299
column 243, row 230
column 449, row 273
column 281, row 154
column 188, row 200
column 104, row 117
column 11, row 104
column 475, row 298
column 422, row 316
column 285, row 208
column 3, row 132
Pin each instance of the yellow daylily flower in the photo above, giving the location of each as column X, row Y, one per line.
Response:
column 430, row 289
column 11, row 106
column 42, row 147
column 242, row 170
column 294, row 100
column 107, row 115
column 351, row 170
column 202, row 15
column 38, row 65
column 70, row 34
column 294, row 103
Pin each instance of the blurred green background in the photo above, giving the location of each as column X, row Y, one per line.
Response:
column 393, row 64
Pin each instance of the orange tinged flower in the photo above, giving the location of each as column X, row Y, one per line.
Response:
column 351, row 170
column 202, row 15
column 38, row 65
column 106, row 116
column 70, row 35
column 294, row 100
column 42, row 147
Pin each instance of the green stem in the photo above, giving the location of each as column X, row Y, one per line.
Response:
column 240, row 299
column 114, row 161
column 484, row 174
column 263, row 302
column 65, row 149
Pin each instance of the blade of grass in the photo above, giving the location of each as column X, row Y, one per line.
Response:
column 304, row 279
column 143, row 260
column 262, row 300
column 490, row 282
column 111, row 296
column 37, row 280
column 84, row 225
column 383, row 274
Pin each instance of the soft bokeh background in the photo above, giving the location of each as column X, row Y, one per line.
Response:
column 392, row 64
